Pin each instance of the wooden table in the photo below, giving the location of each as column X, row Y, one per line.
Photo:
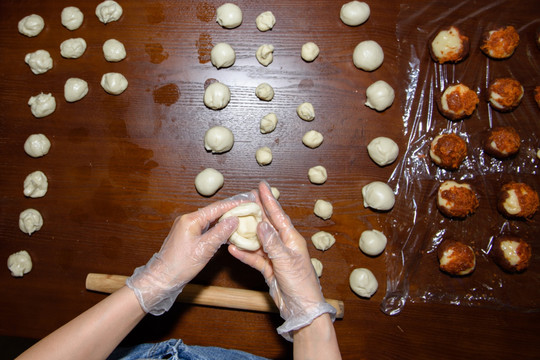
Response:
column 121, row 168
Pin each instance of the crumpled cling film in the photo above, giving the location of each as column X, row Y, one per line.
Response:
column 417, row 227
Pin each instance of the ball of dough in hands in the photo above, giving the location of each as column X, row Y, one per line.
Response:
column 35, row 185
column 363, row 282
column 318, row 266
column 265, row 92
column 379, row 95
column 42, row 105
column 372, row 242
column 310, row 51
column 72, row 18
column 218, row 139
column 73, row 48
column 263, row 155
column 265, row 21
column 323, row 209
column 268, row 123
column 114, row 50
column 306, row 111
column 382, row 150
column 354, row 13
column 368, row 55
column 217, row 96
column 108, row 11
column 229, row 16
column 30, row 221
column 75, row 89
column 249, row 216
column 114, row 83
column 19, row 263
column 323, row 240
column 40, row 61
column 209, row 181
column 378, row 195
column 31, row 25
column 37, row 145
column 222, row 55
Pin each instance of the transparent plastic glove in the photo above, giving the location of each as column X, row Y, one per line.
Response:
column 184, row 253
column 285, row 264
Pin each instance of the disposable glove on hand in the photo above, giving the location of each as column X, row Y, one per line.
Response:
column 184, row 253
column 285, row 264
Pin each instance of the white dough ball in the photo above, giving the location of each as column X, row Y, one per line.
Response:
column 217, row 96
column 114, row 50
column 40, row 61
column 19, row 263
column 382, row 150
column 265, row 21
column 75, row 89
column 73, row 48
column 208, row 182
column 317, row 174
column 263, row 155
column 378, row 195
column 108, row 11
column 218, row 139
column 114, row 83
column 306, row 111
column 229, row 16
column 222, row 55
column 312, row 139
column 249, row 216
column 35, row 185
column 31, row 25
column 265, row 54
column 323, row 209
column 354, row 13
column 310, row 51
column 268, row 123
column 265, row 92
column 379, row 95
column 42, row 105
column 363, row 282
column 30, row 221
column 372, row 242
column 318, row 266
column 72, row 17
column 368, row 55
column 37, row 145
column 323, row 240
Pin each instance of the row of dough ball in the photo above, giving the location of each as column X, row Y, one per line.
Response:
column 71, row 17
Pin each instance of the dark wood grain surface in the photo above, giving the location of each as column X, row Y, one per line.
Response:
column 122, row 168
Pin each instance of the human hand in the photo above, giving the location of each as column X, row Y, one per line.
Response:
column 184, row 253
column 285, row 264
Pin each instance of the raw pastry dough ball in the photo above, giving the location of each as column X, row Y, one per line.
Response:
column 114, row 50
column 378, row 195
column 312, row 139
column 218, row 139
column 264, row 92
column 323, row 209
column 35, row 185
column 354, row 13
column 75, row 89
column 249, row 216
column 323, row 240
column 72, row 17
column 379, row 95
column 208, row 182
column 108, row 11
column 382, row 150
column 73, row 48
column 306, row 111
column 30, row 221
column 275, row 192
column 222, row 55
column 263, row 155
column 37, row 145
column 368, row 55
column 40, row 61
column 363, row 282
column 114, row 83
column 229, row 16
column 217, row 96
column 19, row 263
column 265, row 54
column 317, row 174
column 310, row 51
column 372, row 242
column 31, row 25
column 42, row 105
column 318, row 266
column 268, row 123
column 265, row 21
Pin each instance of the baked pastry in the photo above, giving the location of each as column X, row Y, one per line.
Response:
column 517, row 200
column 449, row 45
column 457, row 102
column 511, row 253
column 456, row 258
column 537, row 95
column 456, row 200
column 505, row 94
column 502, row 142
column 448, row 151
column 500, row 43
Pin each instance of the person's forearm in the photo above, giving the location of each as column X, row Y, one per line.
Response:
column 95, row 333
column 316, row 341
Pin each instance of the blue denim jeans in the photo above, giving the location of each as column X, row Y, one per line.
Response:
column 177, row 350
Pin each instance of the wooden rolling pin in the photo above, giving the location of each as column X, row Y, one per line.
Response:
column 206, row 295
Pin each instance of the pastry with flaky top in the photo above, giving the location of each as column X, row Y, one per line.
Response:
column 502, row 142
column 517, row 200
column 505, row 94
column 456, row 258
column 511, row 253
column 448, row 151
column 449, row 45
column 500, row 43
column 456, row 200
column 457, row 102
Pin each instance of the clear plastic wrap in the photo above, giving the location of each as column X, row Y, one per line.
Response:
column 416, row 225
